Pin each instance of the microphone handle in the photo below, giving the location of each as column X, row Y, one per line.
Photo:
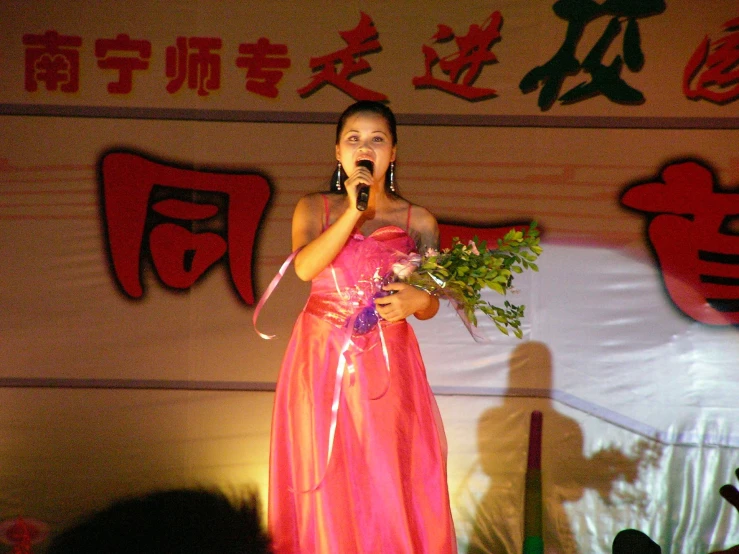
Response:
column 363, row 193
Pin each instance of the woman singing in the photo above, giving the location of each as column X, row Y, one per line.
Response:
column 358, row 453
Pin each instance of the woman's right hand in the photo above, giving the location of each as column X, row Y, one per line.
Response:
column 359, row 177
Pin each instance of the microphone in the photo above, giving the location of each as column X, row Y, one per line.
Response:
column 363, row 191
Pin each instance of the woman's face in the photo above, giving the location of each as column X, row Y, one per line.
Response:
column 366, row 136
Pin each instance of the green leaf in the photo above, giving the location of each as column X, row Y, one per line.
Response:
column 497, row 288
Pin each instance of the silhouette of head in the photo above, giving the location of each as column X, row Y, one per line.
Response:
column 181, row 521
column 631, row 541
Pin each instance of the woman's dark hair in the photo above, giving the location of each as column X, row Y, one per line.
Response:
column 368, row 106
column 365, row 107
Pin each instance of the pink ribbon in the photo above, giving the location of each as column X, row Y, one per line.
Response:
column 270, row 289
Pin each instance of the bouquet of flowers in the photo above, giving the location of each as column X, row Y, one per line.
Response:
column 461, row 272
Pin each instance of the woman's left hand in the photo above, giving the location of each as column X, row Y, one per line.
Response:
column 404, row 300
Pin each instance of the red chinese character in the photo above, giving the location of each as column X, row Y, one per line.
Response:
column 200, row 67
column 192, row 219
column 699, row 259
column 721, row 65
column 22, row 533
column 261, row 61
column 125, row 65
column 52, row 59
column 474, row 53
column 360, row 40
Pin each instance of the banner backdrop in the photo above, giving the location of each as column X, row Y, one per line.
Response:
column 150, row 160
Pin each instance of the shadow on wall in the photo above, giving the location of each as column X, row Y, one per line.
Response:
column 566, row 473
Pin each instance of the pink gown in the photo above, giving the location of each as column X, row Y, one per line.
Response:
column 377, row 482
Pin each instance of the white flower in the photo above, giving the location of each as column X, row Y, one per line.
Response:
column 405, row 267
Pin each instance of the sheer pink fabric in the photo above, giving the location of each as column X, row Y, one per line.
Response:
column 380, row 484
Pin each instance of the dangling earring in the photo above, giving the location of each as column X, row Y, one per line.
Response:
column 392, row 176
column 338, row 177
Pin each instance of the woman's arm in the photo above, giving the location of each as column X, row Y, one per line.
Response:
column 429, row 234
column 321, row 247
column 408, row 300
column 431, row 310
column 426, row 228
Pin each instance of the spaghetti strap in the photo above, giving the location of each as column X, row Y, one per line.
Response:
column 408, row 221
column 326, row 211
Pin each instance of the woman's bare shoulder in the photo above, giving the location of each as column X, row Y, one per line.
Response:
column 311, row 200
column 424, row 228
column 422, row 219
column 309, row 213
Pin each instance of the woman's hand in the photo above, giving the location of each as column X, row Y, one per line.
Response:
column 360, row 176
column 406, row 300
